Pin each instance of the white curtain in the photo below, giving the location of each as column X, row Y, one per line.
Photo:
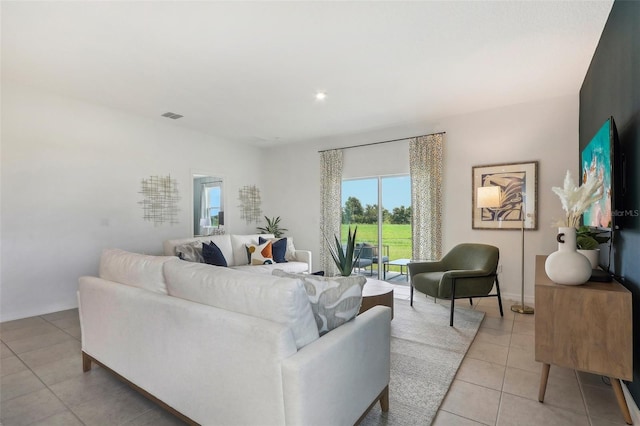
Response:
column 330, row 205
column 425, row 165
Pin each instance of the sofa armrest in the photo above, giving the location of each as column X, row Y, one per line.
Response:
column 303, row 256
column 333, row 380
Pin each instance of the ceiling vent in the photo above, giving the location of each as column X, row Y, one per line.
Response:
column 172, row 115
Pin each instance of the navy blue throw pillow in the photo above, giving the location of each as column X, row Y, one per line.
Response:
column 212, row 254
column 278, row 248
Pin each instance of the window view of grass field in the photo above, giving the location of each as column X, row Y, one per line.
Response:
column 360, row 208
column 396, row 237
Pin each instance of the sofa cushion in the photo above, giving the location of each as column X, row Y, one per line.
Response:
column 212, row 255
column 334, row 300
column 278, row 247
column 137, row 270
column 260, row 254
column 282, row 300
column 191, row 252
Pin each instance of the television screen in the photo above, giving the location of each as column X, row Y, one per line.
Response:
column 597, row 160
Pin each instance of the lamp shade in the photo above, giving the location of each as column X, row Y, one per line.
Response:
column 489, row 196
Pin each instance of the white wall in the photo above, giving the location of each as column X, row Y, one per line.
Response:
column 545, row 131
column 70, row 183
column 71, row 172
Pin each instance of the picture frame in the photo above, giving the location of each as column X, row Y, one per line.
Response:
column 518, row 183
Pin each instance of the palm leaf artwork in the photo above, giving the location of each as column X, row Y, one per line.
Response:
column 344, row 256
column 511, row 185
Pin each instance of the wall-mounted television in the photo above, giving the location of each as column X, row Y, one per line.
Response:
column 601, row 157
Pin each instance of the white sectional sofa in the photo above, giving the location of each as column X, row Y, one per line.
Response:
column 233, row 248
column 218, row 346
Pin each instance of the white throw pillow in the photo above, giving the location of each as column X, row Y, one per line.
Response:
column 291, row 250
column 334, row 300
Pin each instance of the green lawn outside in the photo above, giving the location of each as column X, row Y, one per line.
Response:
column 397, row 237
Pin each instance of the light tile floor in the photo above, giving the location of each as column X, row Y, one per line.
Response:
column 42, row 383
column 498, row 381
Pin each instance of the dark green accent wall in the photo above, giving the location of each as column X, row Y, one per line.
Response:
column 612, row 88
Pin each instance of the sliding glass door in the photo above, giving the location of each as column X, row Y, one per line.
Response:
column 380, row 207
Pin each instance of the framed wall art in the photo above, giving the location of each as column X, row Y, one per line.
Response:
column 160, row 203
column 505, row 196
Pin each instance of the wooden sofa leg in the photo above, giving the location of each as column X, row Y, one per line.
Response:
column 384, row 399
column 86, row 362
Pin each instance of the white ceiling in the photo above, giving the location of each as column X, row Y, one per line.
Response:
column 248, row 71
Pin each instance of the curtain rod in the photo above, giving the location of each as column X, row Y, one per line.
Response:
column 378, row 143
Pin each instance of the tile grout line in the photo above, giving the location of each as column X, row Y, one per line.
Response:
column 463, row 417
column 41, row 381
column 504, row 376
column 584, row 398
column 51, row 390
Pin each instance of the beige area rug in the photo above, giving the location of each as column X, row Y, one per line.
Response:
column 425, row 356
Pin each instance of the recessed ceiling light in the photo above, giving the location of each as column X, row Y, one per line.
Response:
column 321, row 96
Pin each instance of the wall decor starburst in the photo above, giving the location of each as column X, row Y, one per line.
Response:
column 160, row 203
column 250, row 203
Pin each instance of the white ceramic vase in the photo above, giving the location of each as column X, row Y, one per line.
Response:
column 567, row 266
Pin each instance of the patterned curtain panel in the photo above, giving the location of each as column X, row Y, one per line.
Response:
column 425, row 165
column 330, row 205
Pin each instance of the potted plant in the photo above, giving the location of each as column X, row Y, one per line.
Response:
column 344, row 256
column 273, row 227
column 587, row 242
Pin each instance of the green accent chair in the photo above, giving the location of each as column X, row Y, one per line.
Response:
column 467, row 271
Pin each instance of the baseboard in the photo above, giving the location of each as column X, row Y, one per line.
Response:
column 633, row 407
column 528, row 300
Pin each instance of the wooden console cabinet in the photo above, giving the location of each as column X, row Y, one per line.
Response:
column 585, row 327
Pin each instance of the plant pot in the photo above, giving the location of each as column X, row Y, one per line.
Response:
column 592, row 255
column 566, row 266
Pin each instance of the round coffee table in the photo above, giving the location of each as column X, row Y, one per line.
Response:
column 376, row 292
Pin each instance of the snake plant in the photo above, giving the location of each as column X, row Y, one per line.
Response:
column 344, row 256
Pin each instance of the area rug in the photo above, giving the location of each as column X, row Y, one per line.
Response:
column 425, row 356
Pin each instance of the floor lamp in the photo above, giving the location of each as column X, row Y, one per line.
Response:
column 522, row 308
column 491, row 197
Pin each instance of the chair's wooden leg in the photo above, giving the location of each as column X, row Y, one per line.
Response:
column 384, row 400
column 499, row 297
column 471, row 301
column 86, row 362
column 453, row 300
